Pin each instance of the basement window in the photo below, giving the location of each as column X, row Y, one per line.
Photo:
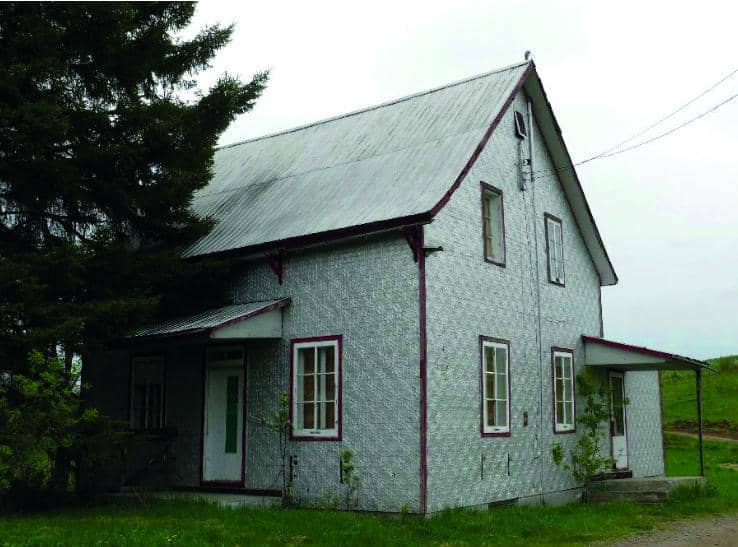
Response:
column 147, row 393
column 563, row 390
column 316, row 388
column 555, row 249
column 493, row 222
column 495, row 386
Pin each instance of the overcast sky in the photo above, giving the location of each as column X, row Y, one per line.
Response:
column 668, row 212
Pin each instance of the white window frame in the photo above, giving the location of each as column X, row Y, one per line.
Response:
column 497, row 344
column 561, row 424
column 555, row 249
column 143, row 360
column 334, row 432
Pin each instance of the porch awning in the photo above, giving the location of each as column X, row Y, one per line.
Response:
column 253, row 320
column 624, row 357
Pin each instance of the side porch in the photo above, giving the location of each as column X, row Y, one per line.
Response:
column 617, row 359
column 194, row 393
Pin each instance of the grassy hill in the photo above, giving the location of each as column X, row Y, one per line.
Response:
column 719, row 398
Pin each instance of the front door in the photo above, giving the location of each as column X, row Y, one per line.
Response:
column 618, row 427
column 223, row 419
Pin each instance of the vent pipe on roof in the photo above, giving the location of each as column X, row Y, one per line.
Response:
column 528, row 55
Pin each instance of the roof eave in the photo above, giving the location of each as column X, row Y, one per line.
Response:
column 567, row 175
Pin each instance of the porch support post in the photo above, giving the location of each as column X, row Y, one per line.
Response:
column 698, row 373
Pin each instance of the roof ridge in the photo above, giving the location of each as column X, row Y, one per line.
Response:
column 375, row 107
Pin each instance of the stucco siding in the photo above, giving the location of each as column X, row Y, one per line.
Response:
column 468, row 297
column 366, row 291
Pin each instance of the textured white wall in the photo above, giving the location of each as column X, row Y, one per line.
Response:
column 368, row 292
column 468, row 297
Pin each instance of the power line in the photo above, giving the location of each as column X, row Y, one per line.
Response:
column 665, row 133
column 670, row 115
column 638, row 145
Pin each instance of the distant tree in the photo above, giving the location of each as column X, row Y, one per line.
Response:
column 100, row 154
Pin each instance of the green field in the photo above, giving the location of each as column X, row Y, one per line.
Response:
column 719, row 398
column 191, row 523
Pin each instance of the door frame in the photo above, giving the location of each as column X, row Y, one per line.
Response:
column 621, row 375
column 223, row 484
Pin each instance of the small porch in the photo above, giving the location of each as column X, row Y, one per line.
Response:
column 618, row 358
column 199, row 387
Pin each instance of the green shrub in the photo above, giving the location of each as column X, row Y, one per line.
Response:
column 46, row 436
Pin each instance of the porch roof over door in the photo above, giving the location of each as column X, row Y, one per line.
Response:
column 253, row 320
column 624, row 357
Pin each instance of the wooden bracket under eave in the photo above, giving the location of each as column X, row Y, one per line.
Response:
column 275, row 263
column 413, row 235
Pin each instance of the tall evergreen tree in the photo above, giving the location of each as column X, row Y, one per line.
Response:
column 99, row 157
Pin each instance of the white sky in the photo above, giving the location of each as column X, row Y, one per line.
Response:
column 668, row 212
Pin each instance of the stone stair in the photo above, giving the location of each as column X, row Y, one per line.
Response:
column 645, row 490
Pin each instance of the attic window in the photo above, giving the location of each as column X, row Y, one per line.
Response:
column 520, row 129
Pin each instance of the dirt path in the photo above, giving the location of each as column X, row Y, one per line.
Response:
column 683, row 533
column 705, row 436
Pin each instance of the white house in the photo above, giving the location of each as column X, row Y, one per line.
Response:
column 423, row 278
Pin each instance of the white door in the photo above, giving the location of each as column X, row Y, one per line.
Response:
column 618, row 426
column 223, row 427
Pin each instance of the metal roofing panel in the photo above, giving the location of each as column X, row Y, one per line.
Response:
column 390, row 161
column 208, row 319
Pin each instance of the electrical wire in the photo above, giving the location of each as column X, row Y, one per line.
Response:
column 670, row 115
column 642, row 143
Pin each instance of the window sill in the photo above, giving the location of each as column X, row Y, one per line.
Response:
column 557, row 283
column 503, row 433
column 564, row 431
column 500, row 263
column 302, row 436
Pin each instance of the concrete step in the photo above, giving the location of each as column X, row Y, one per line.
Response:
column 642, row 490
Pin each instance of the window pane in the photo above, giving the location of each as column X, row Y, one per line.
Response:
column 306, row 360
column 560, row 412
column 501, row 413
column 566, row 364
column 326, row 415
column 501, row 361
column 490, row 413
column 330, row 387
column 308, row 417
column 326, row 358
column 490, row 384
column 559, row 390
column 308, row 384
column 559, row 373
column 489, row 358
column 568, row 395
column 501, row 386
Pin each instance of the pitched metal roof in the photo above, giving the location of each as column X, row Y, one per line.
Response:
column 393, row 160
column 208, row 320
column 383, row 167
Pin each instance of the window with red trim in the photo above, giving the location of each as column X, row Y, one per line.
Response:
column 563, row 379
column 315, row 382
column 493, row 225
column 495, row 386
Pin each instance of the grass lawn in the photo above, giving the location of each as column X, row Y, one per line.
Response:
column 191, row 523
column 719, row 398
